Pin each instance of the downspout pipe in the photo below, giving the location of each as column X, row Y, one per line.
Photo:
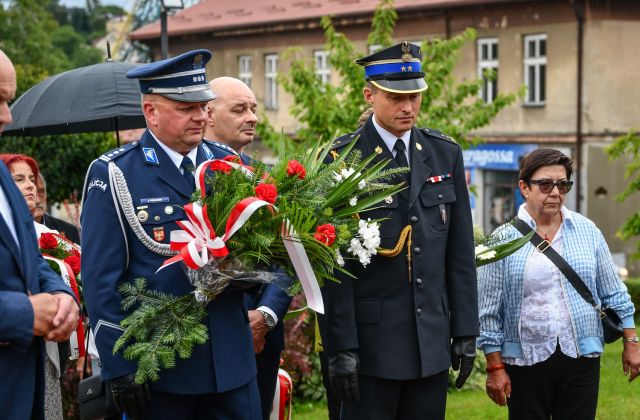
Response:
column 579, row 9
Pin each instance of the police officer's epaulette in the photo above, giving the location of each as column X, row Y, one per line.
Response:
column 118, row 151
column 343, row 141
column 438, row 134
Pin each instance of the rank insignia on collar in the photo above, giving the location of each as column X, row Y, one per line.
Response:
column 378, row 150
column 418, row 146
column 207, row 152
column 158, row 234
column 150, row 155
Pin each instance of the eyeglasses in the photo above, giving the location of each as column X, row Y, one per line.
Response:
column 546, row 185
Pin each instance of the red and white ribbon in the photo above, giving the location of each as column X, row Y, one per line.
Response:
column 77, row 336
column 283, row 394
column 202, row 170
column 197, row 241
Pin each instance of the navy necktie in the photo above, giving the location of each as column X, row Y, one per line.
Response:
column 401, row 158
column 188, row 168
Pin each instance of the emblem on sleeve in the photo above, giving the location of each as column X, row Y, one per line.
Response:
column 97, row 183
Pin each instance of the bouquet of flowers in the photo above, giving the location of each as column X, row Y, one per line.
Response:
column 63, row 257
column 492, row 248
column 300, row 215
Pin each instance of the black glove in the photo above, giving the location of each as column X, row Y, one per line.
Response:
column 130, row 398
column 343, row 374
column 463, row 354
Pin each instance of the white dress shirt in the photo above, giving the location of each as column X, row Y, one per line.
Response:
column 390, row 139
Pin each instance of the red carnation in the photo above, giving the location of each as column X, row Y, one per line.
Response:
column 75, row 252
column 232, row 158
column 48, row 241
column 295, row 168
column 74, row 263
column 221, row 167
column 326, row 234
column 267, row 192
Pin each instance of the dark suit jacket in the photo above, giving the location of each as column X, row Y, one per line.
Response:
column 70, row 231
column 23, row 271
column 401, row 324
column 113, row 254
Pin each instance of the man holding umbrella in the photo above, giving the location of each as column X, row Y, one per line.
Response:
column 124, row 239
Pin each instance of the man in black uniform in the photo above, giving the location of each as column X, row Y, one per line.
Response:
column 392, row 332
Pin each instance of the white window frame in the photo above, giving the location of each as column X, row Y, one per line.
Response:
column 534, row 60
column 488, row 62
column 244, row 69
column 270, row 81
column 322, row 66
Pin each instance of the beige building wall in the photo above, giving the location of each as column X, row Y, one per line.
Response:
column 611, row 76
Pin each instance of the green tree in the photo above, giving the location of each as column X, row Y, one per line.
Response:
column 63, row 160
column 325, row 110
column 628, row 145
column 40, row 47
column 25, row 36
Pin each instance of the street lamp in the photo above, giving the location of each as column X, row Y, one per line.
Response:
column 167, row 6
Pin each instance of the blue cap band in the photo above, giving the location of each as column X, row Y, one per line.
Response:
column 399, row 67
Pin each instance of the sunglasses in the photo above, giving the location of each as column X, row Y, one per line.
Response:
column 546, row 185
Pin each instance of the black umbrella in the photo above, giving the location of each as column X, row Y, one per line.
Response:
column 95, row 98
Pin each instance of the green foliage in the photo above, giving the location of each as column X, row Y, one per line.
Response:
column 25, row 35
column 161, row 327
column 325, row 110
column 304, row 204
column 633, row 287
column 63, row 160
column 310, row 387
column 492, row 248
column 477, row 378
column 628, row 145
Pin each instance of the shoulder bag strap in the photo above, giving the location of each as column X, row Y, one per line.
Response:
column 545, row 247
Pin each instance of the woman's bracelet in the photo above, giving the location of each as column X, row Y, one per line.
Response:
column 495, row 367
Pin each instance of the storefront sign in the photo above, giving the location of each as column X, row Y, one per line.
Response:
column 496, row 156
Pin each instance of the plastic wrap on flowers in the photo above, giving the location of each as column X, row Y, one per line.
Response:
column 218, row 275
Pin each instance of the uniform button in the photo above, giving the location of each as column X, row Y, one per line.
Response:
column 440, row 196
column 417, row 250
column 156, row 218
column 419, row 282
column 419, row 311
column 413, row 219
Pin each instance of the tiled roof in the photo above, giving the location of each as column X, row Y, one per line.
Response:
column 214, row 15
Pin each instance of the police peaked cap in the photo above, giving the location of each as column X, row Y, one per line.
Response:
column 182, row 78
column 395, row 69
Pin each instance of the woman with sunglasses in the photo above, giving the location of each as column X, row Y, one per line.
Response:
column 541, row 339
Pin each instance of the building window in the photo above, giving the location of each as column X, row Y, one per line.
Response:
column 270, row 81
column 244, row 69
column 535, row 68
column 323, row 70
column 488, row 62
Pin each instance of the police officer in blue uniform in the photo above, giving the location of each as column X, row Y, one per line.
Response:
column 391, row 333
column 132, row 199
column 231, row 125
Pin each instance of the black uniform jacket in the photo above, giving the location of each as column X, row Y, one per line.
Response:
column 399, row 323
